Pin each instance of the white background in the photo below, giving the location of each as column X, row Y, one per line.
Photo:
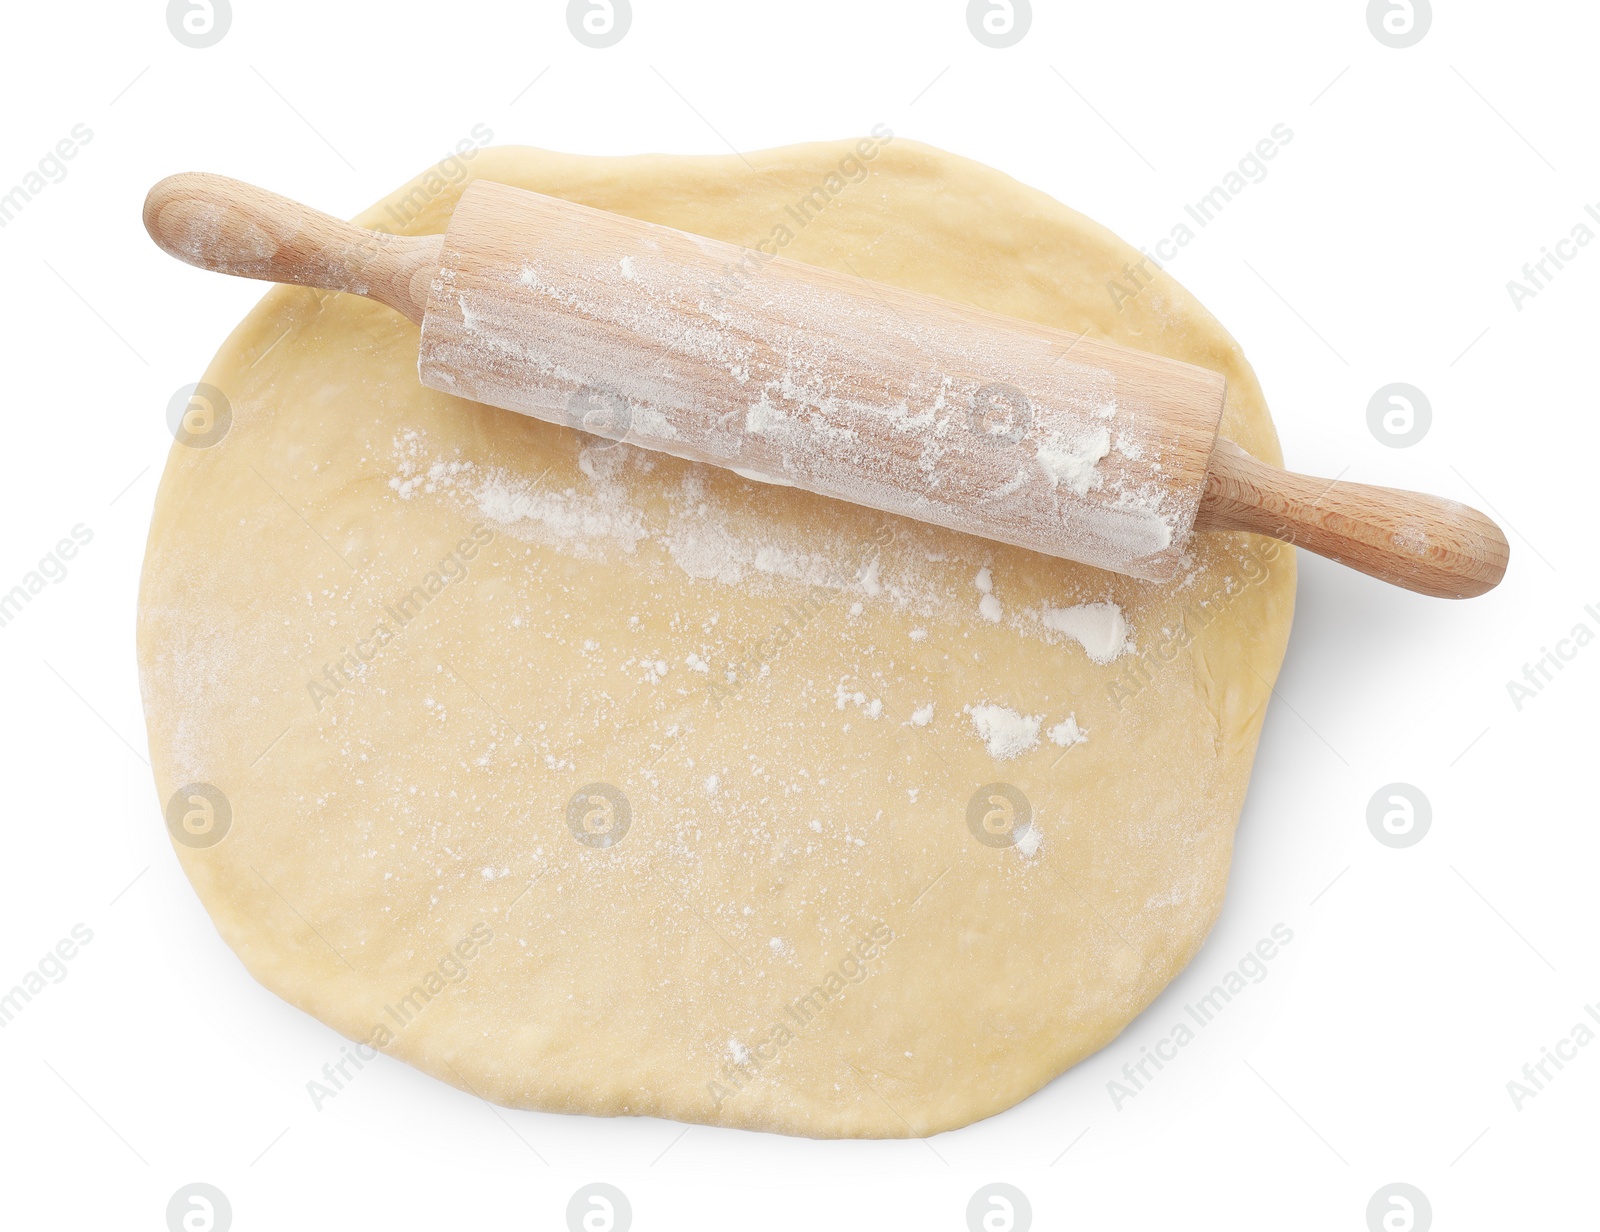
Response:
column 1378, row 249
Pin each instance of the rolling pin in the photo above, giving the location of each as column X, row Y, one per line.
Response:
column 823, row 380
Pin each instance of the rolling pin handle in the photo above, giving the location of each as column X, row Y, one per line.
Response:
column 1422, row 543
column 230, row 227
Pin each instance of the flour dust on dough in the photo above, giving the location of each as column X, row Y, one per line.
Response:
column 596, row 781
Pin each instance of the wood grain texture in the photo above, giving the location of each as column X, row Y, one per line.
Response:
column 231, row 227
column 818, row 378
column 1423, row 543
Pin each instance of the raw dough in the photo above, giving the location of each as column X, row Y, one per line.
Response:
column 397, row 633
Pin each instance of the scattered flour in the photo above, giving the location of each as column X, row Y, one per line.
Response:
column 708, row 551
column 1005, row 733
column 1074, row 466
column 1067, row 732
column 439, row 475
column 764, row 418
column 988, row 605
column 843, row 696
column 706, row 540
column 414, row 476
column 922, row 715
column 573, row 518
column 1027, row 843
column 1410, row 536
column 1100, row 628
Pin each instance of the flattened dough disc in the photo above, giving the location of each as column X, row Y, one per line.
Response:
column 595, row 781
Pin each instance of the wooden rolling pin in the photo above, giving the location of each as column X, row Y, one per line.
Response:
column 806, row 376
